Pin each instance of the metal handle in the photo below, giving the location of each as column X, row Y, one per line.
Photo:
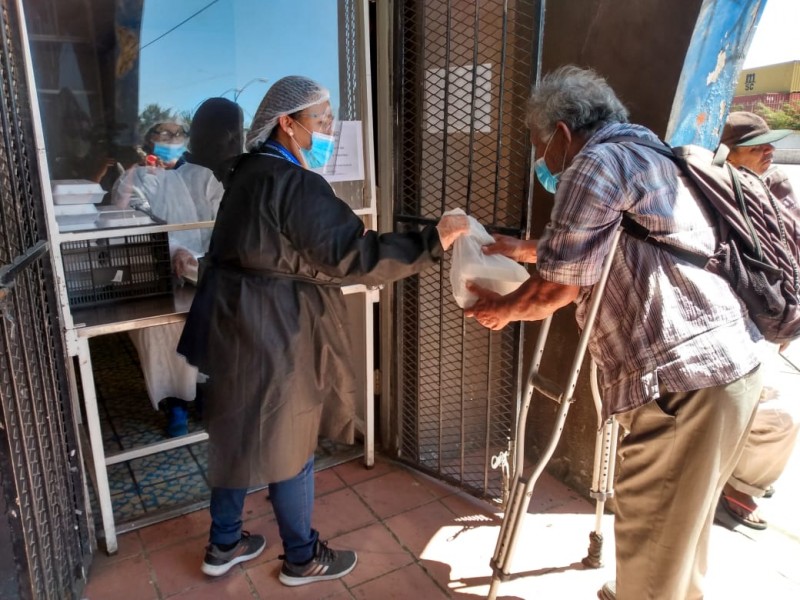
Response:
column 9, row 272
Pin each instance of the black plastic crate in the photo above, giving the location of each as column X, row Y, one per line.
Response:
column 111, row 269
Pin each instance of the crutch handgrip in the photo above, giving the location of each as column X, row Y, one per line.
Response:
column 547, row 387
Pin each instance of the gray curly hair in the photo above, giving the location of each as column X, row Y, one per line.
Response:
column 286, row 96
column 580, row 98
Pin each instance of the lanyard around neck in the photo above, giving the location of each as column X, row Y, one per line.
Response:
column 278, row 151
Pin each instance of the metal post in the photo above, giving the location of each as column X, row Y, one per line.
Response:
column 96, row 441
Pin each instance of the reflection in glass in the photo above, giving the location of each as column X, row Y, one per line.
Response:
column 108, row 71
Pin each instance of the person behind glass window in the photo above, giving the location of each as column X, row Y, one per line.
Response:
column 268, row 325
column 185, row 191
column 151, row 186
column 164, row 144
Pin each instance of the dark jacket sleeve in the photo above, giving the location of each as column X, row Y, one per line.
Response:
column 332, row 238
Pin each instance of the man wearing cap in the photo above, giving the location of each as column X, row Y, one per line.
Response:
column 774, row 432
column 750, row 140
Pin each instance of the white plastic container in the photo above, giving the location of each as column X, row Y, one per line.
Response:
column 111, row 216
column 73, row 217
column 76, row 191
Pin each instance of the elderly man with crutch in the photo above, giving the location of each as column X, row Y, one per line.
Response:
column 675, row 350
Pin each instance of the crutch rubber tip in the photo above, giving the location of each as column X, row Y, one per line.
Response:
column 594, row 558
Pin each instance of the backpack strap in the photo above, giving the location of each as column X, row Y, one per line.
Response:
column 639, row 231
column 642, row 233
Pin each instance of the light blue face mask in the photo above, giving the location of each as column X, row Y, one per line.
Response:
column 548, row 180
column 322, row 147
column 168, row 152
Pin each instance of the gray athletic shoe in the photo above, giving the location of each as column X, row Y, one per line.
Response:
column 327, row 564
column 218, row 562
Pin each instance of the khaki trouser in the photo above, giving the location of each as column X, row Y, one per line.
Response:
column 675, row 458
column 774, row 432
column 769, row 447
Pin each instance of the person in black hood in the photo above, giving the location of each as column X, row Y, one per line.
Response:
column 215, row 134
column 215, row 138
column 189, row 192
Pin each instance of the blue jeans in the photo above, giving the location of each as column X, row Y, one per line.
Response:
column 293, row 504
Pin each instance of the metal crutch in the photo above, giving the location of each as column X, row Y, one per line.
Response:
column 521, row 488
column 605, row 454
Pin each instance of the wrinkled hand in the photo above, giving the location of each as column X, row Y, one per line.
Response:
column 183, row 262
column 523, row 251
column 450, row 228
column 488, row 310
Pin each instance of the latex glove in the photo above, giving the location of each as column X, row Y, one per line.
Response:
column 523, row 251
column 183, row 262
column 450, row 228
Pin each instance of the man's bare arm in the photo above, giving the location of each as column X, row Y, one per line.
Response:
column 534, row 300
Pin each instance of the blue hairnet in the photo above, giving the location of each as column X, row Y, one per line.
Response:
column 286, row 96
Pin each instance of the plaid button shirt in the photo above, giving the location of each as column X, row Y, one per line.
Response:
column 662, row 322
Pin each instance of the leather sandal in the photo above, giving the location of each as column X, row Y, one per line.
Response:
column 726, row 502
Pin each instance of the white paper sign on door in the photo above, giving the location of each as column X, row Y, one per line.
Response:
column 347, row 163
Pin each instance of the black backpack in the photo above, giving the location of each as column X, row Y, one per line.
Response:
column 754, row 253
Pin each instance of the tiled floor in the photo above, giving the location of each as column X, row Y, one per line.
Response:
column 143, row 487
column 404, row 525
column 419, row 539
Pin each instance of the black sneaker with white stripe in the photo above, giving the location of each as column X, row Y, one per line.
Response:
column 218, row 562
column 327, row 564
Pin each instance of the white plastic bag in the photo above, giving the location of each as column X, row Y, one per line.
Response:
column 494, row 272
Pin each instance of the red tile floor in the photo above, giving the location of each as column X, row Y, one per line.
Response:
column 406, row 527
column 419, row 539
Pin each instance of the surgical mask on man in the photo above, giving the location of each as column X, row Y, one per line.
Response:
column 548, row 179
column 168, row 153
column 322, row 147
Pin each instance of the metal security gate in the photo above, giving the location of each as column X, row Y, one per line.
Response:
column 44, row 537
column 463, row 71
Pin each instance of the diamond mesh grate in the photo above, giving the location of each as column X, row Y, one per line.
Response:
column 349, row 109
column 37, row 435
column 463, row 73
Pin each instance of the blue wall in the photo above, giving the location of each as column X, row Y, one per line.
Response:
column 717, row 49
